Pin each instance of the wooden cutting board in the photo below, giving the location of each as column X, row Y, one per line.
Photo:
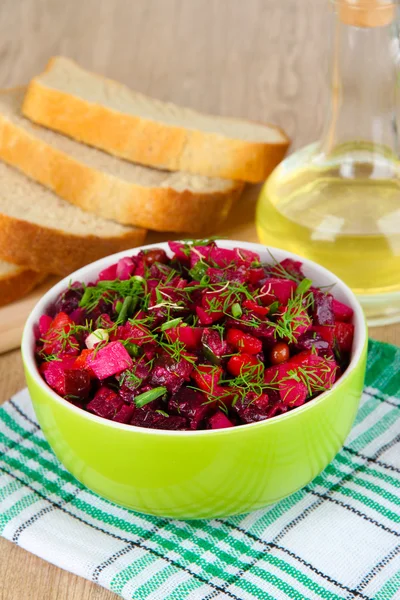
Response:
column 13, row 316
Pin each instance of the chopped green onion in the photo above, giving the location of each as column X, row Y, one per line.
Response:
column 162, row 412
column 149, row 396
column 236, row 310
column 273, row 308
column 171, row 323
column 118, row 306
column 86, row 296
column 198, row 271
column 303, row 286
column 123, row 313
column 133, row 349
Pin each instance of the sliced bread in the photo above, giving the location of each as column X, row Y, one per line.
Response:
column 110, row 187
column 41, row 231
column 16, row 281
column 110, row 116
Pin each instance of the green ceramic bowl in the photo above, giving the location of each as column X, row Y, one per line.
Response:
column 199, row 474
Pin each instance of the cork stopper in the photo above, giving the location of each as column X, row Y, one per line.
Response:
column 366, row 13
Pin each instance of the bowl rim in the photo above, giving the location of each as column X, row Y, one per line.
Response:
column 27, row 344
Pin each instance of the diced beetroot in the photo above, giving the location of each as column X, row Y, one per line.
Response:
column 219, row 421
column 262, row 330
column 198, row 253
column 108, row 274
column 152, row 419
column 211, row 339
column 341, row 312
column 190, row 337
column 242, row 363
column 178, row 249
column 77, row 383
column 69, row 300
column 207, row 318
column 207, row 377
column 252, row 408
column 290, row 392
column 344, row 333
column 110, row 360
column 57, row 340
column 245, row 257
column 125, row 268
column 293, row 393
column 106, row 403
column 255, row 308
column 78, row 316
column 44, row 324
column 301, row 321
column 312, row 339
column 244, row 342
column 124, row 414
column 235, row 274
column 320, row 371
column 136, row 334
column 256, row 274
column 293, row 267
column 190, row 404
column 282, row 289
column 170, row 373
column 323, row 308
column 222, row 257
column 54, row 373
column 327, row 333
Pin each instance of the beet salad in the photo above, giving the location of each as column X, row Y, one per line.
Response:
column 208, row 339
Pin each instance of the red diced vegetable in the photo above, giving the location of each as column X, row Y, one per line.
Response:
column 244, row 342
column 110, row 360
column 108, row 274
column 44, row 325
column 54, row 373
column 178, row 249
column 341, row 312
column 344, row 333
column 189, row 336
column 190, row 404
column 256, row 274
column 327, row 333
column 255, row 308
column 207, row 377
column 242, row 363
column 323, row 309
column 124, row 414
column 246, row 257
column 106, row 403
column 281, row 289
column 77, row 382
column 206, row 318
column 219, row 421
column 125, row 268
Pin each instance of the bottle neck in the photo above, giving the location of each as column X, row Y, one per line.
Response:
column 364, row 94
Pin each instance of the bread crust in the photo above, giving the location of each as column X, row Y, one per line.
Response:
column 158, row 208
column 149, row 142
column 18, row 283
column 55, row 251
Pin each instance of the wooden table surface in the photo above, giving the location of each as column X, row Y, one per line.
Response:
column 260, row 59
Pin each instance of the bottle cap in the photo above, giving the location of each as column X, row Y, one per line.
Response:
column 366, row 13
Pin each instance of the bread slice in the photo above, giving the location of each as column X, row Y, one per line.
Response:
column 109, row 116
column 41, row 231
column 110, row 187
column 16, row 282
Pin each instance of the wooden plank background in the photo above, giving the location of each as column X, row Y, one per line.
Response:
column 260, row 59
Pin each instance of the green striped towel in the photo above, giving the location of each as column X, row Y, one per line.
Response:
column 337, row 538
